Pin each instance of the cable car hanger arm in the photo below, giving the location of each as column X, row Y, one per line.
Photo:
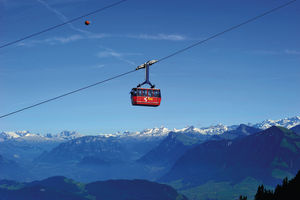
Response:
column 146, row 66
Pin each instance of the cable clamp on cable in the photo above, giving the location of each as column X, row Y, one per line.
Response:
column 150, row 62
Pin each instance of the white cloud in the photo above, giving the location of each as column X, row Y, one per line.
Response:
column 52, row 40
column 266, row 52
column 98, row 66
column 161, row 36
column 104, row 54
column 292, row 52
column 120, row 56
column 63, row 40
column 75, row 37
column 274, row 52
column 97, row 35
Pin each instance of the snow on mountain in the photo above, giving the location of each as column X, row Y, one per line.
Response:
column 151, row 132
column 211, row 130
column 8, row 135
column 163, row 131
column 154, row 132
column 68, row 135
column 286, row 122
column 12, row 135
column 27, row 136
column 146, row 134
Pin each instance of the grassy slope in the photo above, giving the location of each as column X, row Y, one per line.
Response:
column 219, row 190
column 63, row 188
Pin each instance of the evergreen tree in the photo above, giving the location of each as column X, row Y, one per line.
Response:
column 260, row 192
column 287, row 190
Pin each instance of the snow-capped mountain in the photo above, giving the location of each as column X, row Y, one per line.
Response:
column 151, row 133
column 163, row 131
column 286, row 122
column 211, row 130
column 12, row 135
column 27, row 136
column 220, row 128
column 67, row 135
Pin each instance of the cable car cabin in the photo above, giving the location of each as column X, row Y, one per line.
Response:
column 145, row 97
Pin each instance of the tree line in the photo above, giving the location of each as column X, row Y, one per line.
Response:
column 288, row 190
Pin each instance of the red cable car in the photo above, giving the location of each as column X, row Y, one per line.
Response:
column 145, row 96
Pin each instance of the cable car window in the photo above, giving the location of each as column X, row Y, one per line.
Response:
column 139, row 92
column 156, row 93
column 150, row 93
column 133, row 92
column 145, row 93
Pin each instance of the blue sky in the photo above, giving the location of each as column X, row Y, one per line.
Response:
column 247, row 75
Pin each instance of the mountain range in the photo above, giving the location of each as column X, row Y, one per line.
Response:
column 196, row 161
column 177, row 143
column 27, row 136
column 267, row 156
column 150, row 133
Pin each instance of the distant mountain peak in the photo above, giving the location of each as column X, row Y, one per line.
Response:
column 28, row 136
column 211, row 130
column 286, row 122
column 149, row 132
column 156, row 131
column 11, row 134
column 69, row 135
column 277, row 131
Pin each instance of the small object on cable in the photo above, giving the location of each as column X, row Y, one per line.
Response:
column 87, row 22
